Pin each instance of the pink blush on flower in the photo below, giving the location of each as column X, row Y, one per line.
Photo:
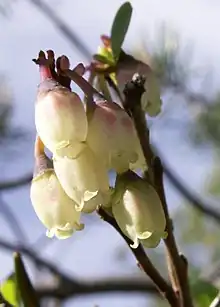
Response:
column 110, row 118
column 106, row 115
column 126, row 122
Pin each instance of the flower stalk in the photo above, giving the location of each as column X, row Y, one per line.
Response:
column 178, row 264
column 143, row 262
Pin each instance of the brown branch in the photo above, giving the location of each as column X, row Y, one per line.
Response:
column 98, row 286
column 144, row 262
column 71, row 36
column 69, row 287
column 85, row 86
column 16, row 183
column 133, row 91
column 28, row 252
column 194, row 200
column 178, row 263
column 12, row 221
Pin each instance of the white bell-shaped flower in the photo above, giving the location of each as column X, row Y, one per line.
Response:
column 84, row 179
column 60, row 116
column 112, row 136
column 138, row 211
column 52, row 205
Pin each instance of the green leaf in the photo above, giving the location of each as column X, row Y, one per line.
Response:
column 202, row 291
column 103, row 59
column 120, row 27
column 103, row 87
column 8, row 290
column 24, row 285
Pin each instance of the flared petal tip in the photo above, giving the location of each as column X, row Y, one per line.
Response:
column 144, row 235
column 59, row 233
column 79, row 226
column 86, row 207
column 89, row 195
column 135, row 244
column 154, row 240
column 69, row 150
column 164, row 235
column 89, row 202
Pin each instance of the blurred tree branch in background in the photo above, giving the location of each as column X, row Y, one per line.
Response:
column 68, row 287
column 60, row 24
column 16, row 183
column 5, row 106
column 194, row 200
column 13, row 224
column 171, row 76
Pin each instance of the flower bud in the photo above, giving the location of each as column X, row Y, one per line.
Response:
column 106, row 53
column 51, row 204
column 60, row 119
column 138, row 211
column 84, row 179
column 150, row 100
column 140, row 164
column 112, row 136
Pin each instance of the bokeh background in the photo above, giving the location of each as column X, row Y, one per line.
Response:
column 182, row 40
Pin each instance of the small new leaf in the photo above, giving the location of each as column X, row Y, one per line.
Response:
column 102, row 59
column 8, row 290
column 120, row 27
column 24, row 286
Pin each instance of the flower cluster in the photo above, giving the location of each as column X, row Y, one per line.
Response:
column 86, row 143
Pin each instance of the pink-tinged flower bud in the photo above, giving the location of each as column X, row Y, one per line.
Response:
column 112, row 136
column 53, row 207
column 84, row 179
column 60, row 117
column 138, row 211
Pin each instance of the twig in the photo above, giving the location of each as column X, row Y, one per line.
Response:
column 69, row 286
column 194, row 200
column 85, row 86
column 33, row 256
column 12, row 221
column 71, row 36
column 177, row 263
column 146, row 265
column 103, row 286
column 16, row 183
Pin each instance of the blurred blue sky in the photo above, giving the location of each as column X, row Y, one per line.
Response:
column 22, row 36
